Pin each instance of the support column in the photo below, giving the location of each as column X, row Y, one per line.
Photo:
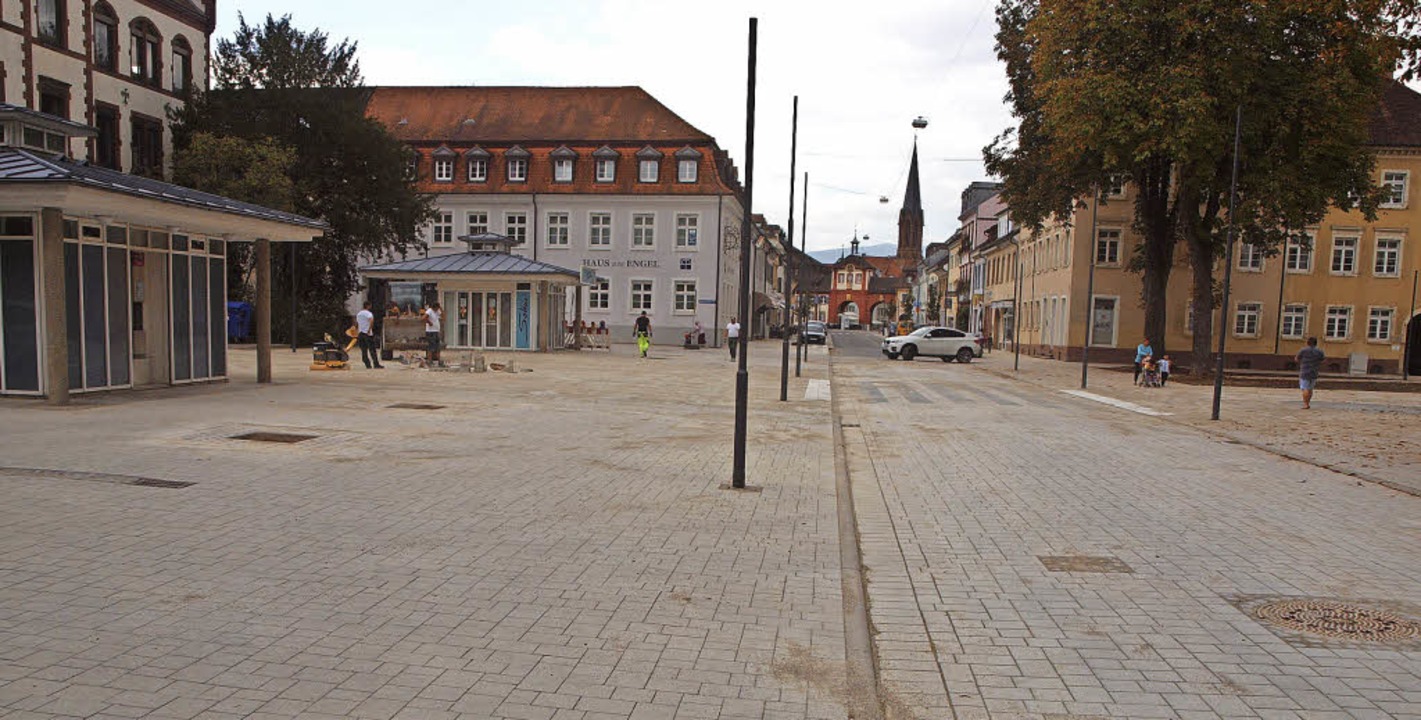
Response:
column 55, row 313
column 263, row 253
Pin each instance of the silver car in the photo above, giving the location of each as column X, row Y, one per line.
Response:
column 941, row 342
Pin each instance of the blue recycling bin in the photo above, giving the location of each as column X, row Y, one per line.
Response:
column 239, row 321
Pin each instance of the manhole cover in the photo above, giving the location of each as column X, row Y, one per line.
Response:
column 1338, row 620
column 415, row 406
column 274, row 437
column 1084, row 563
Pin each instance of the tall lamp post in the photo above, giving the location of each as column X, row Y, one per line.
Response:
column 1228, row 268
column 742, row 373
column 1090, row 292
column 788, row 246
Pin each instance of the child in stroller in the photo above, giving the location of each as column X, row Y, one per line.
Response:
column 1151, row 375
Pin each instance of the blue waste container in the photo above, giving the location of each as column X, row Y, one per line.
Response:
column 239, row 321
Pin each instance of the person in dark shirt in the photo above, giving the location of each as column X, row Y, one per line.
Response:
column 1309, row 360
column 643, row 333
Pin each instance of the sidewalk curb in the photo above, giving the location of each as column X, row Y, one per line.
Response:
column 859, row 657
column 1389, row 484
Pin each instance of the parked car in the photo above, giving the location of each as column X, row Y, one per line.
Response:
column 932, row 341
column 815, row 332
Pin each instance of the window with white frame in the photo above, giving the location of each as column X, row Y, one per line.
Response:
column 1295, row 321
column 599, row 295
column 557, row 229
column 641, row 295
column 643, row 230
column 606, row 170
column 478, row 222
column 685, row 263
column 562, row 170
column 858, row 280
column 684, row 300
column 1388, row 259
column 517, row 170
column 1297, row 255
column 1379, row 321
column 478, row 170
column 443, row 233
column 1344, row 255
column 842, row 282
column 1394, row 183
column 1107, row 247
column 1250, row 257
column 515, row 226
column 648, row 170
column 599, row 230
column 1115, row 186
column 687, row 229
column 1339, row 322
column 686, row 170
column 444, row 169
column 1246, row 319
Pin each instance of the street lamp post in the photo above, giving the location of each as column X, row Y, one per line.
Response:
column 788, row 246
column 742, row 372
column 1228, row 270
column 1090, row 292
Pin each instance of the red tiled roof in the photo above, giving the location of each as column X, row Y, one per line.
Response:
column 528, row 114
column 1397, row 121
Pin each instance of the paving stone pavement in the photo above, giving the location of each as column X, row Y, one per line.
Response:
column 958, row 498
column 551, row 544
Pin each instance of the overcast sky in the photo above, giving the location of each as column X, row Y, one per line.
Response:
column 862, row 70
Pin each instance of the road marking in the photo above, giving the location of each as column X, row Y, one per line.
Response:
column 913, row 396
column 817, row 390
column 990, row 396
column 1122, row 404
column 874, row 394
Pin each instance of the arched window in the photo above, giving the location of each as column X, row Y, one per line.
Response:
column 145, row 52
column 51, row 21
column 182, row 65
column 105, row 36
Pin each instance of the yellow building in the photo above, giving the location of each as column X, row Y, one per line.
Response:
column 1351, row 286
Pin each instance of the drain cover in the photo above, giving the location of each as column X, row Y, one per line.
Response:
column 1084, row 563
column 274, row 437
column 1338, row 620
column 415, row 406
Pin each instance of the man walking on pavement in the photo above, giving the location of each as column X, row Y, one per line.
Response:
column 642, row 331
column 1309, row 360
column 431, row 332
column 365, row 327
column 732, row 336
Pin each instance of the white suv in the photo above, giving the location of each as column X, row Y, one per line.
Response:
column 945, row 343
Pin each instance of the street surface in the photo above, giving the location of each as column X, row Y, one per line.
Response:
column 973, row 492
column 556, row 544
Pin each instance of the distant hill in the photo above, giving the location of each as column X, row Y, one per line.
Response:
column 832, row 254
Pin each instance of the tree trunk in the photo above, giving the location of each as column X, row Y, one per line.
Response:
column 1201, row 261
column 1157, row 253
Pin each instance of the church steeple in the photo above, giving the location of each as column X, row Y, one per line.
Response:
column 910, row 218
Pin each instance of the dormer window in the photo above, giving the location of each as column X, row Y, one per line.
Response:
column 648, row 165
column 477, row 160
column 443, row 164
column 517, row 159
column 688, row 161
column 605, row 160
column 145, row 52
column 562, row 164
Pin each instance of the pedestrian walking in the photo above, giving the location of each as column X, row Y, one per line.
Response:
column 1309, row 361
column 642, row 331
column 365, row 336
column 732, row 336
column 1164, row 365
column 431, row 331
column 1142, row 351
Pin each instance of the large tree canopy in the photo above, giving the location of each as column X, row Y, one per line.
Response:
column 1148, row 90
column 277, row 85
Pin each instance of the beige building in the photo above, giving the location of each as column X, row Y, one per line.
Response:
column 115, row 65
column 1351, row 286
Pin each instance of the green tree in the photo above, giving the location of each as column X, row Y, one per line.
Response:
column 934, row 313
column 275, row 83
column 1147, row 90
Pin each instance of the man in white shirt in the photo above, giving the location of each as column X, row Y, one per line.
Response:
column 365, row 329
column 732, row 336
column 431, row 331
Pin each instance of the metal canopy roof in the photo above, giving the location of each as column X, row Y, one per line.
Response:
column 471, row 263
